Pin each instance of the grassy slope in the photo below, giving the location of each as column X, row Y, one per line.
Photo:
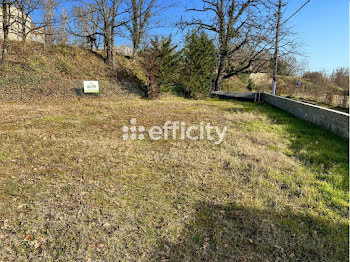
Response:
column 72, row 189
column 236, row 84
column 58, row 71
column 286, row 85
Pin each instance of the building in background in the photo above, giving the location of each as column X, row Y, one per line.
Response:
column 36, row 34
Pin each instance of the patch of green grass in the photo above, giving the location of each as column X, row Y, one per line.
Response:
column 52, row 119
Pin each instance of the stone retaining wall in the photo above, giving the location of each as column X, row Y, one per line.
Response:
column 336, row 121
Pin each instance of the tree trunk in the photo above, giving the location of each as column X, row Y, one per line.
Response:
column 24, row 32
column 5, row 29
column 112, row 48
column 91, row 44
column 223, row 42
column 109, row 42
column 134, row 47
column 4, row 48
column 153, row 88
column 108, row 45
column 219, row 77
column 23, row 23
column 135, row 26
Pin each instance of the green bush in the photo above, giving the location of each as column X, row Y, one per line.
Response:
column 199, row 63
column 160, row 63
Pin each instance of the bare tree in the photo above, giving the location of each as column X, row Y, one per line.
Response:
column 109, row 17
column 244, row 34
column 8, row 20
column 289, row 65
column 22, row 13
column 49, row 20
column 140, row 13
column 25, row 9
column 62, row 37
column 86, row 26
column 340, row 77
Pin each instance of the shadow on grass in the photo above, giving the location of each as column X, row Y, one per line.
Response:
column 97, row 54
column 237, row 233
column 341, row 109
column 320, row 150
column 136, row 88
column 78, row 91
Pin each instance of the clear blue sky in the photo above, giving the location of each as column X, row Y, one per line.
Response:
column 323, row 26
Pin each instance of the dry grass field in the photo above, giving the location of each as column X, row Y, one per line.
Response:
column 71, row 189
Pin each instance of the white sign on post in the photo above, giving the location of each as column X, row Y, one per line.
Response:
column 91, row 87
column 298, row 84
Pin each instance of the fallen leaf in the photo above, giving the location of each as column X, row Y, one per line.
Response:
column 27, row 237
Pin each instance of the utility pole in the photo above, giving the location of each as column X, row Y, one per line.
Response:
column 274, row 77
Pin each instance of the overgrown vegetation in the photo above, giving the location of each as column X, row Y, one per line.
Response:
column 336, row 83
column 72, row 189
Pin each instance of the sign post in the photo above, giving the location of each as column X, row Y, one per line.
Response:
column 91, row 87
